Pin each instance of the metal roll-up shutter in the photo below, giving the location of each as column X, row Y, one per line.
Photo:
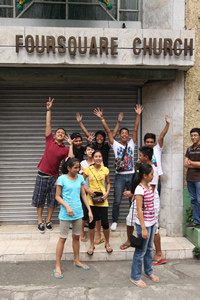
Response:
column 22, row 129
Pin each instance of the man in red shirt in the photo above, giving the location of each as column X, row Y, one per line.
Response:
column 48, row 171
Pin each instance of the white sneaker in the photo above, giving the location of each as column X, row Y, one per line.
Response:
column 113, row 226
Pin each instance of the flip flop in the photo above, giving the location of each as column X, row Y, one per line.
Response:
column 91, row 252
column 139, row 283
column 124, row 246
column 107, row 249
column 156, row 262
column 100, row 242
column 153, row 277
column 84, row 267
column 57, row 277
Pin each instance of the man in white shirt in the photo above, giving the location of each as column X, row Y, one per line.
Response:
column 123, row 150
column 150, row 140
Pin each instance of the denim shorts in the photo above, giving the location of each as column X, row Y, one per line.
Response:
column 44, row 189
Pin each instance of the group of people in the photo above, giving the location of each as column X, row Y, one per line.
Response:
column 83, row 189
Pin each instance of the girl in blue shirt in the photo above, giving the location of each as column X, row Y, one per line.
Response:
column 69, row 188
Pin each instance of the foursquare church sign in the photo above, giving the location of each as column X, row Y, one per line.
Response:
column 96, row 46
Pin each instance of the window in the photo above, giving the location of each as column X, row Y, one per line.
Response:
column 95, row 10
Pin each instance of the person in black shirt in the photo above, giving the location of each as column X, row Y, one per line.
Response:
column 78, row 149
column 100, row 137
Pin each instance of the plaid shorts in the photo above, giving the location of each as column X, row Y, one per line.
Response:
column 44, row 189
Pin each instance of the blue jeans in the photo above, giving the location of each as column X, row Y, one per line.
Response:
column 194, row 191
column 121, row 183
column 144, row 253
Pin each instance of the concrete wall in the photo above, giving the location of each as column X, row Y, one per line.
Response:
column 168, row 14
column 160, row 98
column 192, row 80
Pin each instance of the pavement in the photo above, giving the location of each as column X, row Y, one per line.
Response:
column 109, row 280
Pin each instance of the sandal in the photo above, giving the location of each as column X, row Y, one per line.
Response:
column 139, row 283
column 153, row 277
column 124, row 246
column 109, row 249
column 100, row 242
column 91, row 251
column 57, row 275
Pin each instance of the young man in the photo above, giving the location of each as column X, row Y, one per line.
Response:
column 192, row 163
column 48, row 171
column 150, row 140
column 122, row 179
column 78, row 149
column 100, row 136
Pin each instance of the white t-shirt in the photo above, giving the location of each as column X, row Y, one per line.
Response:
column 84, row 164
column 155, row 182
column 156, row 160
column 128, row 157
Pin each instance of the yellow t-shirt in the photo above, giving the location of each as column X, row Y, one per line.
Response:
column 94, row 186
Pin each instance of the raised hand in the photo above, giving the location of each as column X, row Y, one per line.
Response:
column 79, row 117
column 138, row 109
column 91, row 137
column 98, row 112
column 167, row 119
column 68, row 139
column 120, row 117
column 49, row 103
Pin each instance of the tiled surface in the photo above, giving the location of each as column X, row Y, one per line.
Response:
column 25, row 243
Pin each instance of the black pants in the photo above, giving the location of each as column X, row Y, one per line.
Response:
column 99, row 213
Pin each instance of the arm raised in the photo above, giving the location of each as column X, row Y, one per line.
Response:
column 163, row 133
column 49, row 105
column 99, row 113
column 138, row 109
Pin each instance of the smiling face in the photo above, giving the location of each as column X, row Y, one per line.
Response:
column 78, row 143
column 59, row 135
column 99, row 139
column 89, row 152
column 124, row 136
column 149, row 142
column 98, row 158
column 195, row 138
column 74, row 170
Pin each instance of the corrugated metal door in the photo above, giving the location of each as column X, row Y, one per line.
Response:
column 22, row 127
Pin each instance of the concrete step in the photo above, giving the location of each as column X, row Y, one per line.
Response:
column 25, row 243
column 30, row 232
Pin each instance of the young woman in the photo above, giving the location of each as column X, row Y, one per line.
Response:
column 145, row 224
column 89, row 149
column 69, row 188
column 97, row 175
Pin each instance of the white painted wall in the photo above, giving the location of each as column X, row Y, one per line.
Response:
column 160, row 98
column 167, row 14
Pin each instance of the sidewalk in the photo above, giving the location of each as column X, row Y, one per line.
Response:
column 25, row 243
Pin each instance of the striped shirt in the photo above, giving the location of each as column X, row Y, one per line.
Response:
column 148, row 205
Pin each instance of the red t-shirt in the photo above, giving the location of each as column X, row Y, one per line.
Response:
column 52, row 157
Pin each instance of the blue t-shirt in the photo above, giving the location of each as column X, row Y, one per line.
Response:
column 71, row 190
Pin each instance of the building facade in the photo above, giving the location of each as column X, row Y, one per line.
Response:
column 138, row 52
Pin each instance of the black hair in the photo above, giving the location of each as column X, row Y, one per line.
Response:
column 59, row 129
column 101, row 132
column 147, row 151
column 195, row 130
column 138, row 175
column 124, row 128
column 68, row 163
column 96, row 152
column 150, row 136
column 76, row 135
column 90, row 146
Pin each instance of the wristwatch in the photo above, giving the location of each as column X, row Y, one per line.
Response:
column 189, row 162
